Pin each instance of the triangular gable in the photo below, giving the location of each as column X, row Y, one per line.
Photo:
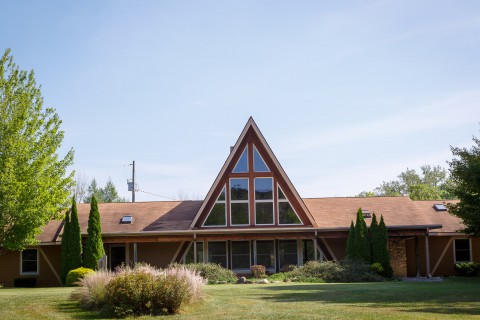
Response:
column 261, row 207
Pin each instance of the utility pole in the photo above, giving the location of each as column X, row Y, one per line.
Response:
column 133, row 181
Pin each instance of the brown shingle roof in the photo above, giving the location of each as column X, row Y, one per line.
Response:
column 329, row 213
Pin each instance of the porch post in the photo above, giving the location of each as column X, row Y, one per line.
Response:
column 417, row 265
column 135, row 257
column 205, row 251
column 195, row 248
column 315, row 249
column 427, row 257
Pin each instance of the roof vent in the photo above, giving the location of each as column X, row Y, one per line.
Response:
column 366, row 214
column 439, row 207
column 126, row 220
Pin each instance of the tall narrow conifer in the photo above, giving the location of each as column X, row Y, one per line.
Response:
column 384, row 255
column 64, row 247
column 75, row 238
column 351, row 254
column 94, row 244
column 374, row 240
column 362, row 243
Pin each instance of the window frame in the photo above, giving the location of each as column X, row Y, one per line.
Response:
column 226, row 252
column 241, row 270
column 455, row 250
column 239, row 201
column 224, row 202
column 279, row 189
column 255, row 201
column 37, row 260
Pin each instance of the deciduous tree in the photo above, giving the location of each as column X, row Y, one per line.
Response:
column 465, row 172
column 34, row 183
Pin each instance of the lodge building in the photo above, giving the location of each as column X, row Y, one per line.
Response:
column 252, row 215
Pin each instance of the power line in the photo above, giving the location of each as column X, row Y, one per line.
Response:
column 154, row 194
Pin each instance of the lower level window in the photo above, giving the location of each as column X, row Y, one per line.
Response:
column 190, row 256
column 462, row 250
column 217, row 253
column 266, row 253
column 288, row 253
column 29, row 261
column 241, row 255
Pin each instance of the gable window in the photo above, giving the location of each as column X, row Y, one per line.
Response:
column 217, row 216
column 217, row 253
column 462, row 250
column 29, row 261
column 239, row 201
column 263, row 201
column 286, row 214
column 242, row 164
column 258, row 164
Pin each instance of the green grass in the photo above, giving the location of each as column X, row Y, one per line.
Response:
column 455, row 298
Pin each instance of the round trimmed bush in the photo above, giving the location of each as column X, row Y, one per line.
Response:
column 76, row 275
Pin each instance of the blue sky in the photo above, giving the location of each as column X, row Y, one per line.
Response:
column 348, row 94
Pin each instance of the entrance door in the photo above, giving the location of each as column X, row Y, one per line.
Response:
column 117, row 256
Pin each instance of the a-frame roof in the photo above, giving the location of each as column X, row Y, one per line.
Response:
column 250, row 131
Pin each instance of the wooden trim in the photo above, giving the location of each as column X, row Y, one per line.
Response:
column 49, row 265
column 330, row 251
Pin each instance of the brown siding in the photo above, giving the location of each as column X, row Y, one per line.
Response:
column 446, row 266
column 10, row 267
column 157, row 254
column 338, row 246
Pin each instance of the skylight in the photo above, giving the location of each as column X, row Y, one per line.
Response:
column 439, row 207
column 126, row 220
column 366, row 214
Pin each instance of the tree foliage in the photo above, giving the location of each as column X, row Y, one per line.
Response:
column 432, row 184
column 379, row 245
column 465, row 172
column 34, row 185
column 107, row 194
column 94, row 245
column 71, row 242
column 361, row 243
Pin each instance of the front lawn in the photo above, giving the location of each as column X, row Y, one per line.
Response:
column 455, row 298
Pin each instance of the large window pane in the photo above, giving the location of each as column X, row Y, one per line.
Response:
column 264, row 213
column 242, row 164
column 217, row 253
column 288, row 253
column 286, row 215
column 239, row 213
column 189, row 257
column 258, row 163
column 263, row 188
column 240, row 255
column 216, row 216
column 266, row 253
column 462, row 250
column 239, row 189
column 29, row 261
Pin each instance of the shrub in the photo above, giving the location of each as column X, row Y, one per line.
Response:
column 146, row 290
column 331, row 271
column 468, row 269
column 258, row 271
column 75, row 275
column 376, row 268
column 91, row 291
column 213, row 273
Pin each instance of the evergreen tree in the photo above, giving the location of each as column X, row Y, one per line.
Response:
column 64, row 248
column 383, row 253
column 362, row 243
column 94, row 244
column 351, row 254
column 374, row 240
column 75, row 239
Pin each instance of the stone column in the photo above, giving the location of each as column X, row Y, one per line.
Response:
column 398, row 256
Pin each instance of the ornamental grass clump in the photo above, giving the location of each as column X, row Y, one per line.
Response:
column 145, row 290
column 91, row 291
